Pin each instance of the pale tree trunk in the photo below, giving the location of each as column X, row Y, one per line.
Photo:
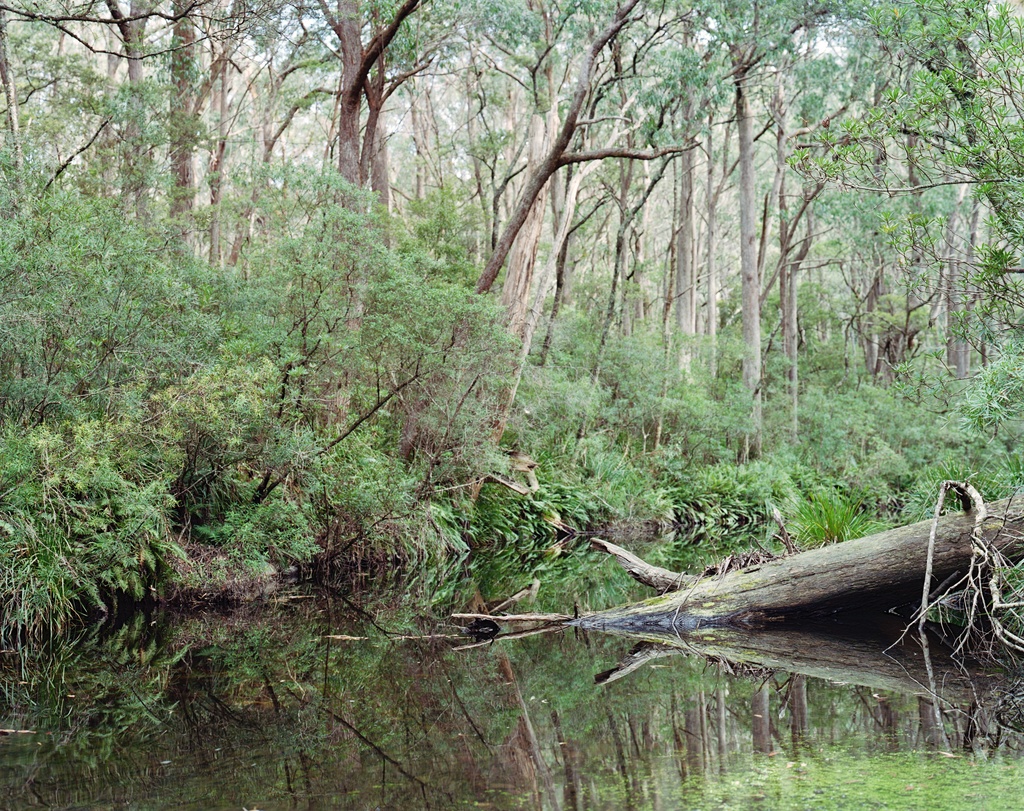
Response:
column 955, row 298
column 563, row 271
column 553, row 160
column 380, row 173
column 216, row 171
column 750, row 280
column 355, row 152
column 869, row 329
column 515, row 294
column 761, row 722
column 880, row 571
column 787, row 269
column 532, row 316
column 722, row 715
column 478, row 174
column 132, row 30
column 798, row 709
column 711, row 266
column 560, row 201
column 787, row 301
column 347, row 29
column 373, row 159
column 11, row 98
column 668, row 289
column 686, row 281
column 787, row 278
column 876, row 285
column 963, row 368
column 931, row 723
column 694, row 735
column 640, row 307
column 791, row 253
column 419, row 141
column 626, row 218
column 183, row 115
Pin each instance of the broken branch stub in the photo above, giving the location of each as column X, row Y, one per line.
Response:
column 662, row 580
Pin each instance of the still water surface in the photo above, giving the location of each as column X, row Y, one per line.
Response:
column 284, row 707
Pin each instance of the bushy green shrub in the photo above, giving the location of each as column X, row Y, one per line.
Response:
column 827, row 516
column 921, row 497
column 82, row 523
column 93, row 309
column 728, row 496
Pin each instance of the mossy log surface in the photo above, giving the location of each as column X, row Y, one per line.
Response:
column 877, row 572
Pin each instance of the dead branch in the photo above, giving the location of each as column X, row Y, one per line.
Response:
column 656, row 577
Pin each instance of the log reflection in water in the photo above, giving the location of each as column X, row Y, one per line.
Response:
column 870, row 651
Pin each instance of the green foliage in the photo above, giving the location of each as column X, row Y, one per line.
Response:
column 992, row 483
column 995, row 397
column 728, row 497
column 92, row 309
column 312, row 403
column 829, row 517
column 81, row 523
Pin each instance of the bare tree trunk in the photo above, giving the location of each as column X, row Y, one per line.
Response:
column 132, row 30
column 931, row 723
column 869, row 331
column 380, row 165
column 686, row 281
column 420, row 143
column 184, row 122
column 963, row 369
column 347, row 29
column 750, row 279
column 571, row 788
column 798, row 708
column 515, row 294
column 955, row 298
column 711, row 195
column 694, row 736
column 722, row 715
column 561, row 286
column 760, row 720
column 626, row 218
column 787, row 302
column 11, row 98
column 216, row 172
column 373, row 158
column 876, row 572
column 354, row 151
column 537, row 179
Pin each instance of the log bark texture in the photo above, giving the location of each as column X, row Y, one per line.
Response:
column 880, row 571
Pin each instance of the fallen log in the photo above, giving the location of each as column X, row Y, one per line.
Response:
column 878, row 572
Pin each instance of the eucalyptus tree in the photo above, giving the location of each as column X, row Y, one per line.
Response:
column 750, row 38
column 559, row 153
column 10, row 96
column 945, row 136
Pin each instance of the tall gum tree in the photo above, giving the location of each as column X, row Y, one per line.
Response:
column 750, row 34
column 360, row 157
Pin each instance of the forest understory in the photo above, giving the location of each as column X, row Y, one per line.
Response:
column 402, row 293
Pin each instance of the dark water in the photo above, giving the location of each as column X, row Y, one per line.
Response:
column 273, row 708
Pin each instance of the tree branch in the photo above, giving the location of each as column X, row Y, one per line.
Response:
column 623, row 152
column 551, row 164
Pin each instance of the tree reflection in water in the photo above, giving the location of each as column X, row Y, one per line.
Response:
column 268, row 711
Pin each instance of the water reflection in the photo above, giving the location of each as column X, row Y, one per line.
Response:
column 279, row 710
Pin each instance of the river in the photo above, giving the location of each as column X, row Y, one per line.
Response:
column 307, row 702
